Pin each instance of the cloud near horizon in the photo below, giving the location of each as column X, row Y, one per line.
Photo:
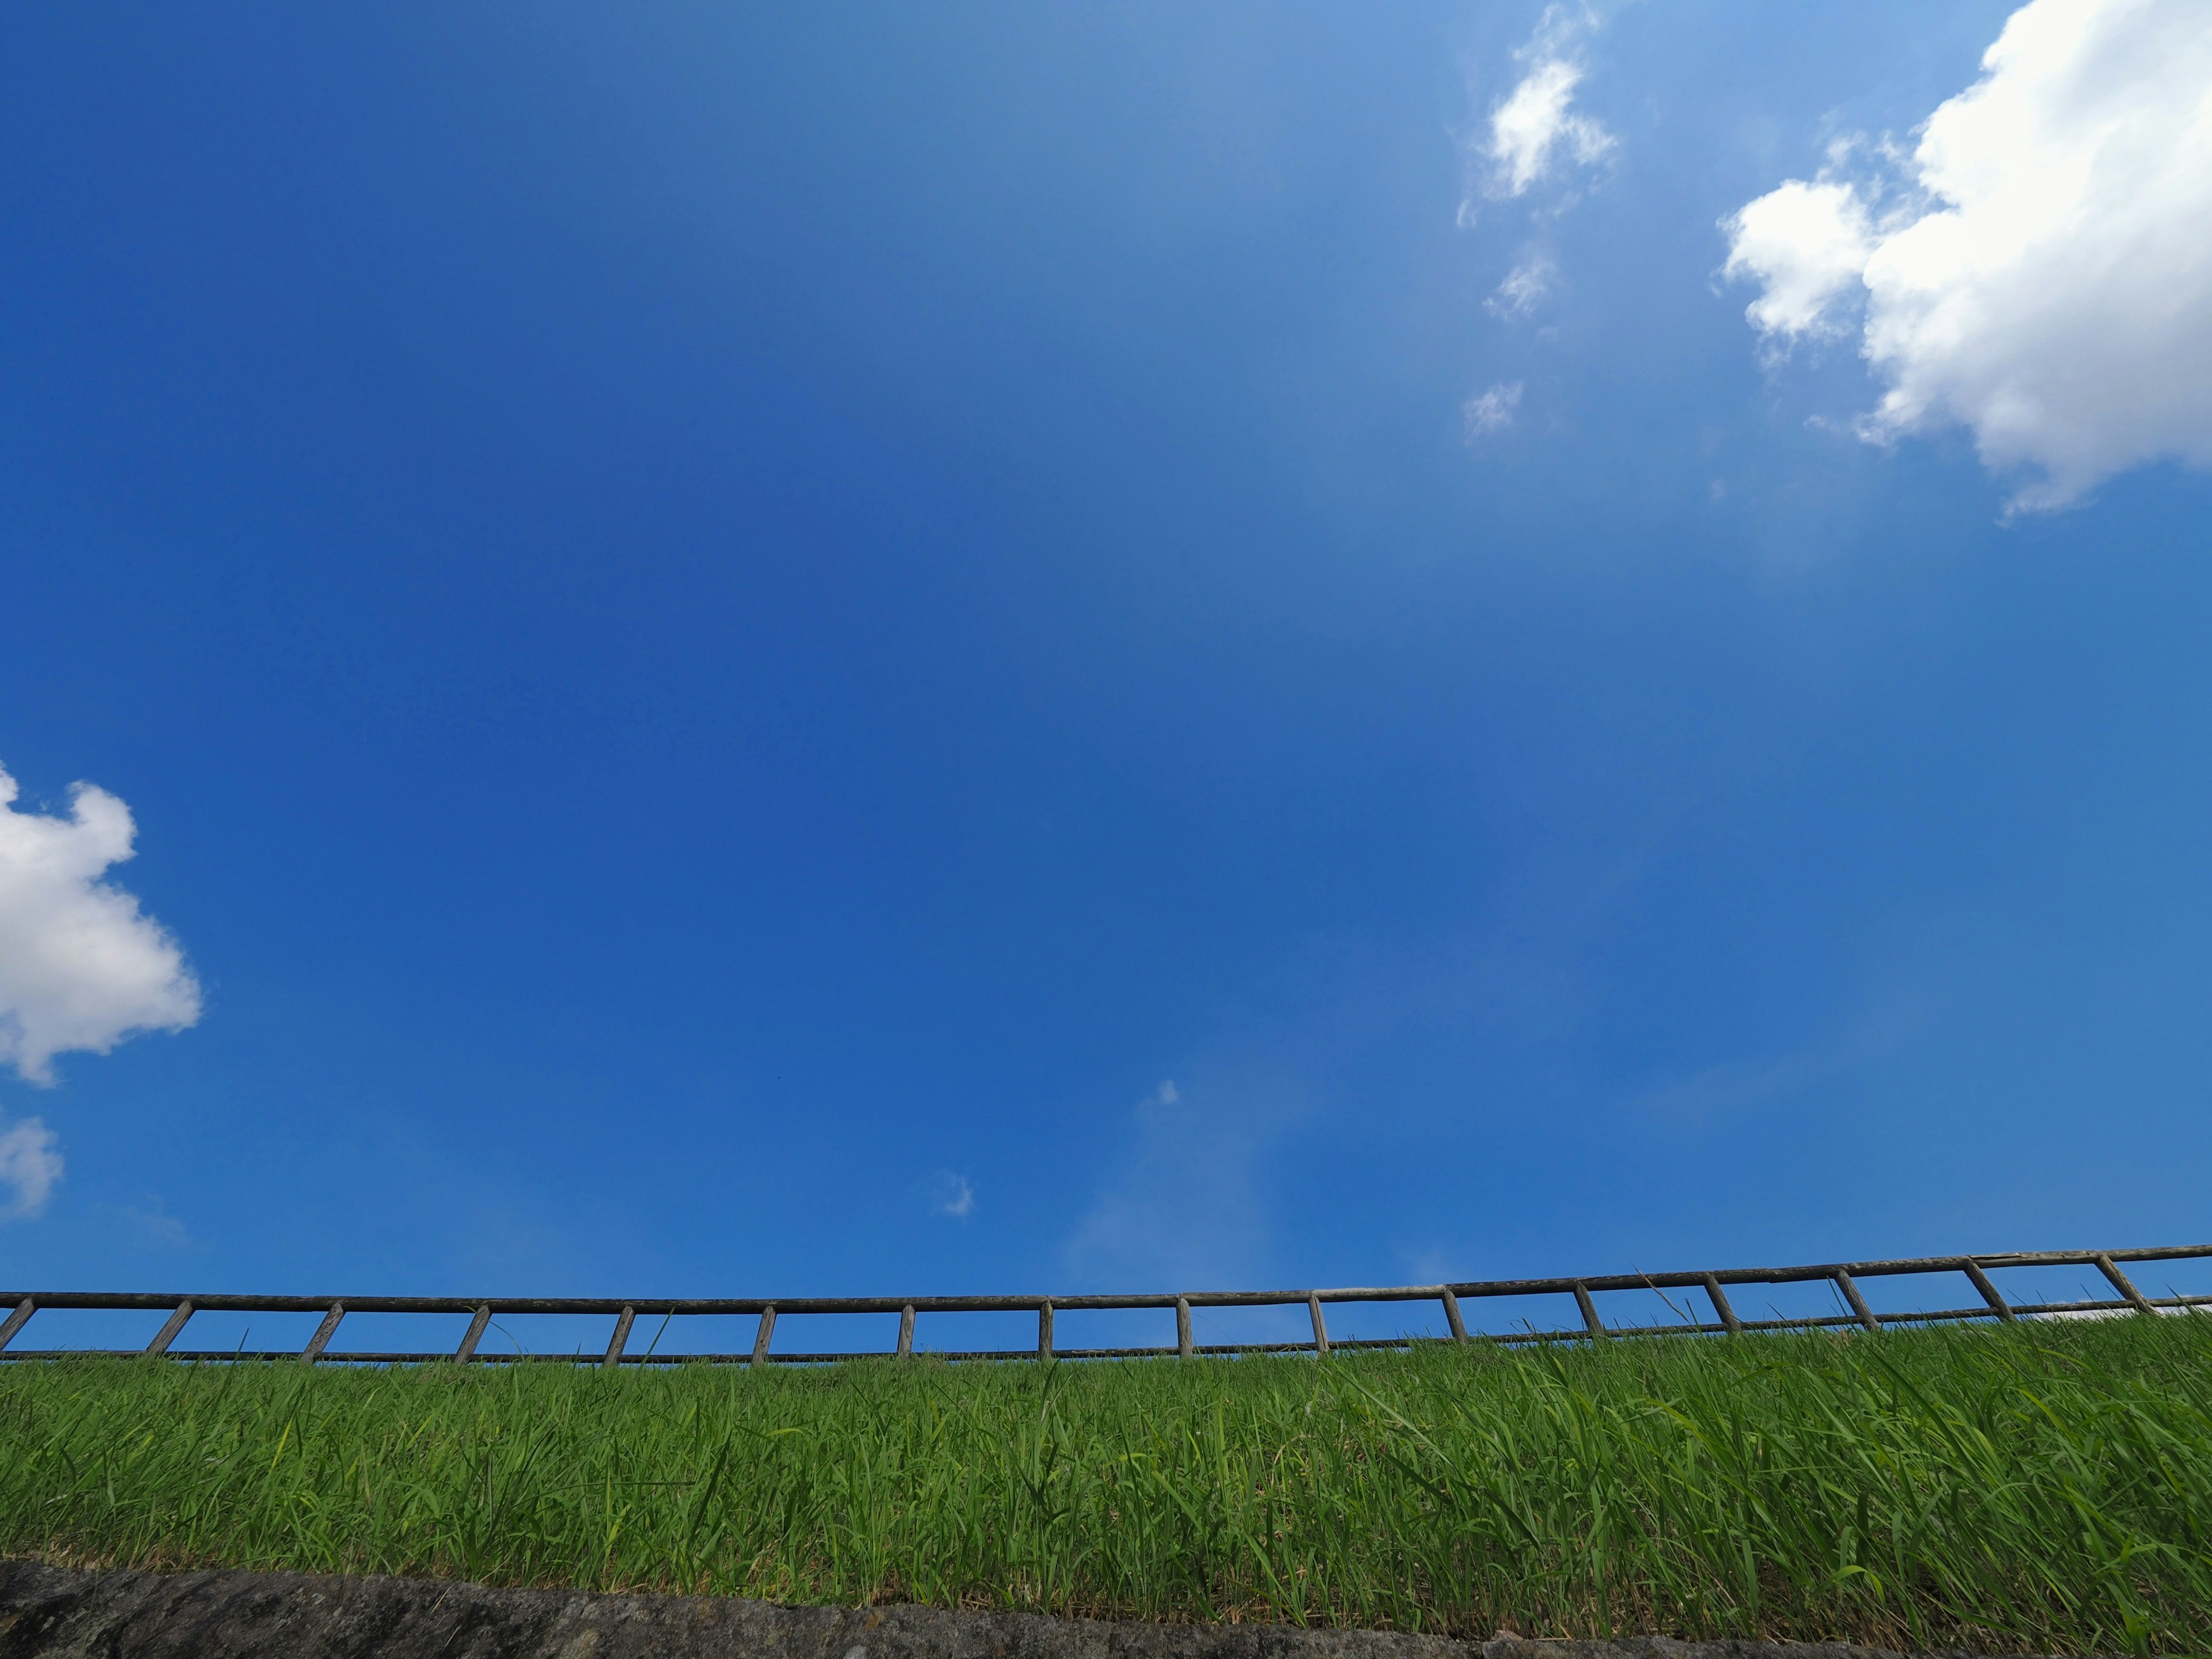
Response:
column 2041, row 271
column 81, row 966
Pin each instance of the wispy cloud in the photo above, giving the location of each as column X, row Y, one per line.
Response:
column 1750, row 1085
column 1534, row 129
column 1524, row 287
column 1490, row 411
column 1183, row 1206
column 1211, row 1185
column 952, row 1195
column 1532, row 136
column 160, row 1228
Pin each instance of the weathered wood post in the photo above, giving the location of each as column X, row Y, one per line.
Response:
column 1451, row 1315
column 1718, row 1298
column 1997, row 1303
column 324, row 1333
column 1849, row 1286
column 478, row 1321
column 1591, row 1322
column 620, row 1339
column 168, row 1332
column 2106, row 1266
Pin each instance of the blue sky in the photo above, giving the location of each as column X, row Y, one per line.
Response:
column 902, row 649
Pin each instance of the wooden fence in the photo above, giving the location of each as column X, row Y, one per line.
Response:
column 1587, row 1324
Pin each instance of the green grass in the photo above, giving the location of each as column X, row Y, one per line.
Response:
column 2046, row 1488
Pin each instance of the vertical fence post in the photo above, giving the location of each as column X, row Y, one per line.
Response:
column 620, row 1340
column 324, row 1333
column 478, row 1321
column 906, row 1331
column 1044, row 1330
column 1849, row 1286
column 1183, row 1326
column 1974, row 1270
column 17, row 1320
column 760, row 1336
column 1718, row 1298
column 1320, row 1325
column 1451, row 1315
column 167, row 1333
column 2106, row 1266
column 1590, row 1321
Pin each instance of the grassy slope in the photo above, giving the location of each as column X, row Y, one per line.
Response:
column 2047, row 1488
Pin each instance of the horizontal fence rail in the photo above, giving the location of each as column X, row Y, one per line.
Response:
column 1843, row 1277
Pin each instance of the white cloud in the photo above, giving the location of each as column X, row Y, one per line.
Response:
column 1535, row 123
column 2046, row 279
column 1524, row 289
column 1805, row 245
column 952, row 1195
column 80, row 967
column 1490, row 410
column 29, row 1167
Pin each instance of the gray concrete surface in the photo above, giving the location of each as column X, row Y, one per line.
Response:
column 55, row 1613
